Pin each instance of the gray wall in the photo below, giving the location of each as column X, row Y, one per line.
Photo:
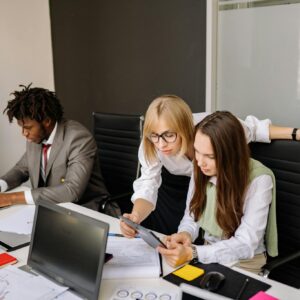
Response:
column 117, row 55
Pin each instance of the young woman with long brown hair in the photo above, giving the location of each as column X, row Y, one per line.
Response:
column 232, row 198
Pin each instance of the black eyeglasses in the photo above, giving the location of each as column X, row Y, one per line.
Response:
column 167, row 136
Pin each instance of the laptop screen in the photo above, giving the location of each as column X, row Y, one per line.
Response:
column 68, row 247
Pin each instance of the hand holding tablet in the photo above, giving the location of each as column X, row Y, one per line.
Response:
column 148, row 236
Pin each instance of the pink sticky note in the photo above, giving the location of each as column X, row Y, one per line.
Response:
column 262, row 296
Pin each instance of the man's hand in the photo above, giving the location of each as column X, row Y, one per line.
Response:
column 8, row 199
column 4, row 201
column 126, row 230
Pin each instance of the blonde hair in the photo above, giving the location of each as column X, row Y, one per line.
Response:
column 177, row 114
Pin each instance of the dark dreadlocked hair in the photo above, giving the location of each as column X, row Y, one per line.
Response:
column 35, row 104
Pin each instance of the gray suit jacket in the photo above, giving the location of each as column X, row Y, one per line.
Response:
column 73, row 173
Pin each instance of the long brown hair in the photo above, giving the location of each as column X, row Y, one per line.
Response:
column 232, row 163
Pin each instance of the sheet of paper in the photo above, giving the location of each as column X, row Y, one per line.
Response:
column 17, row 284
column 132, row 258
column 19, row 219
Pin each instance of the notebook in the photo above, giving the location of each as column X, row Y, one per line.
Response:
column 69, row 248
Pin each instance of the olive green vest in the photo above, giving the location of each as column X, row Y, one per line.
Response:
column 208, row 220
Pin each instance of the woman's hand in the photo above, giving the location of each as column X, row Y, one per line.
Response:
column 126, row 230
column 183, row 238
column 176, row 254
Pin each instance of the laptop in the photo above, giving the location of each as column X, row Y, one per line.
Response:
column 69, row 248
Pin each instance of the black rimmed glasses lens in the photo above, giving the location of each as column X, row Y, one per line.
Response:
column 167, row 136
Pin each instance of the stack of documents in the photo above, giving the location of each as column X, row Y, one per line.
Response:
column 132, row 258
column 18, row 220
column 15, row 226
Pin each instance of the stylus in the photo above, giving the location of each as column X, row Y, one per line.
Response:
column 242, row 289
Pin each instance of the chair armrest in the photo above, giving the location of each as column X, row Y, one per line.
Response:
column 267, row 268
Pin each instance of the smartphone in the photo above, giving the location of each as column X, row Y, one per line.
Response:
column 130, row 223
column 148, row 236
column 158, row 240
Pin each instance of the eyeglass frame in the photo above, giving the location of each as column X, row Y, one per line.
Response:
column 162, row 135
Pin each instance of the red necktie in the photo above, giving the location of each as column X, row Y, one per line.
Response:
column 45, row 150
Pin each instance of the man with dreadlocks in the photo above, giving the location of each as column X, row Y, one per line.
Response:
column 61, row 155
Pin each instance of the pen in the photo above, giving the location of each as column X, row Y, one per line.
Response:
column 115, row 234
column 119, row 234
column 242, row 289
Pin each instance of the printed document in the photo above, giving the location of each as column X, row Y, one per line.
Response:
column 18, row 284
column 132, row 258
column 19, row 220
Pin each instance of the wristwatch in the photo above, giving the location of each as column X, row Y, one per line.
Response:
column 294, row 134
column 194, row 253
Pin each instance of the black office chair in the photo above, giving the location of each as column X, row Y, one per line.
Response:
column 283, row 157
column 118, row 138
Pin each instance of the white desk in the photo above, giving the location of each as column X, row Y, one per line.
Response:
column 277, row 290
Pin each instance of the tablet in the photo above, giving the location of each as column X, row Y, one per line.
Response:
column 148, row 236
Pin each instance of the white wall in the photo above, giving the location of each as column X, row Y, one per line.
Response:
column 259, row 62
column 25, row 56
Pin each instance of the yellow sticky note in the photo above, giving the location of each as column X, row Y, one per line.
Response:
column 189, row 272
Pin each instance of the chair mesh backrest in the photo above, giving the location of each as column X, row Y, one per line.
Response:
column 283, row 157
column 118, row 138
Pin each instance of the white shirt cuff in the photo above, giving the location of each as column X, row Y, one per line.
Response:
column 28, row 197
column 3, row 186
column 262, row 134
column 205, row 254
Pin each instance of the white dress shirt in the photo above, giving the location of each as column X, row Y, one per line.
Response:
column 27, row 193
column 3, row 186
column 248, row 239
column 147, row 185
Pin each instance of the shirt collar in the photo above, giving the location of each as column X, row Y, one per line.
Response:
column 213, row 180
column 51, row 137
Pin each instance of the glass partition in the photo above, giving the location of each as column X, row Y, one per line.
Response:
column 258, row 59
